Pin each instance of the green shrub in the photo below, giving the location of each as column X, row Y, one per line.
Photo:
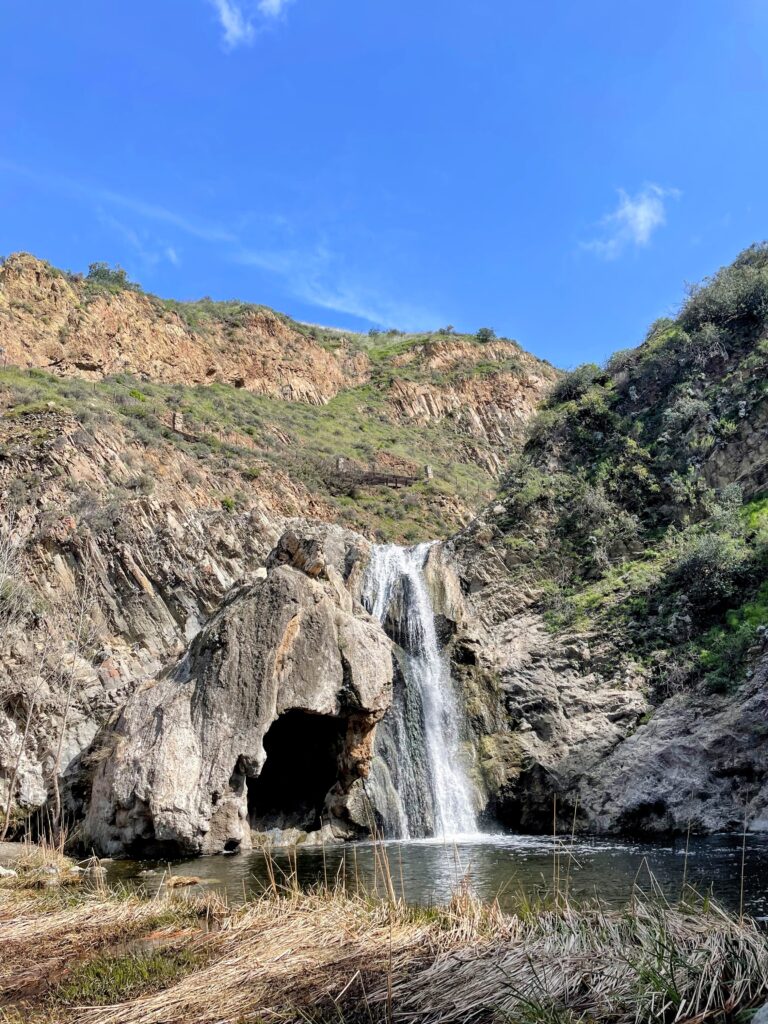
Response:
column 737, row 295
column 710, row 571
column 574, row 385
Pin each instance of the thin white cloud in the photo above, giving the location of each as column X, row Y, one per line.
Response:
column 148, row 250
column 633, row 222
column 272, row 8
column 237, row 26
column 238, row 20
column 314, row 276
column 93, row 193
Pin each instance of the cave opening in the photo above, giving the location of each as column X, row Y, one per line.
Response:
column 302, row 766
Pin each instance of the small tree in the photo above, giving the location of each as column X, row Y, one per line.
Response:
column 102, row 273
column 485, row 334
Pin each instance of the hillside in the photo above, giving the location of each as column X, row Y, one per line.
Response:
column 632, row 529
column 604, row 615
column 151, row 454
column 247, row 392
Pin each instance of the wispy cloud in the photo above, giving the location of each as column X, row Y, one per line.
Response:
column 273, row 8
column 239, row 20
column 237, row 26
column 633, row 222
column 93, row 194
column 318, row 277
column 317, row 274
column 148, row 249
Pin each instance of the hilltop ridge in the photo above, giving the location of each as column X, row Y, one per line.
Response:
column 270, row 392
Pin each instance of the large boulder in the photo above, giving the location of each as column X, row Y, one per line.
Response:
column 266, row 722
column 701, row 762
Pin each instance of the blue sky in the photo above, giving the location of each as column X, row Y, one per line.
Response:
column 554, row 170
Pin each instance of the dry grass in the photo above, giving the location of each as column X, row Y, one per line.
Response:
column 44, row 934
column 42, row 856
column 330, row 955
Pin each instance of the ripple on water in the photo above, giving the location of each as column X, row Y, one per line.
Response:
column 503, row 866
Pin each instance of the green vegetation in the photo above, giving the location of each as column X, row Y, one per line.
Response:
column 233, row 431
column 230, row 428
column 627, row 505
column 485, row 334
column 114, row 978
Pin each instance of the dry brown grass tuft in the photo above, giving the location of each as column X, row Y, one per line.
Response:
column 329, row 955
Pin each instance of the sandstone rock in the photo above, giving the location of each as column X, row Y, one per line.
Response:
column 47, row 323
column 181, row 881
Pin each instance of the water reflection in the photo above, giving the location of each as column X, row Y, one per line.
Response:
column 503, row 867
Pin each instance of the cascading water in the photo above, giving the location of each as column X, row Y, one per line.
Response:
column 426, row 789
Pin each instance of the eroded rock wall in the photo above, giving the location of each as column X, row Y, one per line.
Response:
column 178, row 763
column 565, row 724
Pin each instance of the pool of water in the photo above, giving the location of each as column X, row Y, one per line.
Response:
column 499, row 866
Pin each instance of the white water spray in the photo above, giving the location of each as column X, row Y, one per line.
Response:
column 430, row 753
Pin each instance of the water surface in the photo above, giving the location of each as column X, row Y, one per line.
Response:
column 499, row 866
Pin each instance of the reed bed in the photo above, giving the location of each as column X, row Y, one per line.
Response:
column 331, row 955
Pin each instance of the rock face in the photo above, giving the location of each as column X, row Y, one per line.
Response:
column 49, row 321
column 542, row 712
column 267, row 722
column 568, row 719
column 147, row 569
column 699, row 762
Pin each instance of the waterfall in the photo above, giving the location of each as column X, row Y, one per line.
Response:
column 421, row 780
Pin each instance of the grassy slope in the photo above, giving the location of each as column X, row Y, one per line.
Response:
column 239, row 429
column 245, row 431
column 614, row 508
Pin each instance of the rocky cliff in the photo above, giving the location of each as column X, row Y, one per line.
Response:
column 616, row 591
column 266, row 722
column 241, row 384
column 605, row 614
column 95, row 328
column 151, row 454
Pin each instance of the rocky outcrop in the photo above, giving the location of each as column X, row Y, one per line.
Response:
column 488, row 392
column 565, row 723
column 701, row 762
column 543, row 711
column 743, row 459
column 267, row 721
column 115, row 555
column 51, row 321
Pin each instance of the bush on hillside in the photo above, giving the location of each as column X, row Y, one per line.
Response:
column 737, row 295
column 486, row 334
column 710, row 571
column 576, row 384
column 103, row 279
